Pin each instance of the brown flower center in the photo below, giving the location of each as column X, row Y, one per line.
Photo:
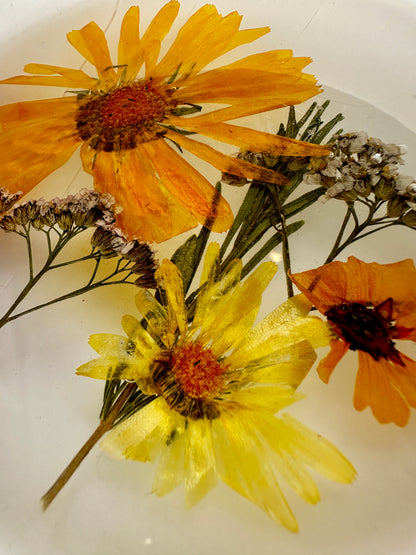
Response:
column 189, row 380
column 123, row 117
column 367, row 328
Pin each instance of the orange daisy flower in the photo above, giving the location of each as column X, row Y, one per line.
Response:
column 131, row 123
column 370, row 306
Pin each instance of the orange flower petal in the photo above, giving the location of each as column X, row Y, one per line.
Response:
column 188, row 186
column 250, row 139
column 20, row 113
column 272, row 60
column 198, row 32
column 327, row 364
column 78, row 77
column 150, row 212
column 232, row 85
column 33, row 152
column 156, row 32
column 255, row 106
column 245, row 36
column 404, row 378
column 227, row 164
column 45, row 81
column 91, row 43
column 373, row 388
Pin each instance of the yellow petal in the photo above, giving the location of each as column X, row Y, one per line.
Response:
column 170, row 470
column 311, row 448
column 142, row 436
column 271, row 397
column 215, row 295
column 144, row 343
column 114, row 368
column 199, row 469
column 170, row 279
column 282, row 328
column 287, row 366
column 91, row 43
column 153, row 312
column 235, row 318
column 210, row 261
column 240, row 462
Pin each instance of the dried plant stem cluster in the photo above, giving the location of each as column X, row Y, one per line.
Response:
column 60, row 221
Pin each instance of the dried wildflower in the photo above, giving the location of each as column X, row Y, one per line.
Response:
column 126, row 121
column 369, row 306
column 82, row 210
column 7, row 199
column 111, row 242
column 359, row 165
column 219, row 381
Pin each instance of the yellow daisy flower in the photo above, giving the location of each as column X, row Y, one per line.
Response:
column 219, row 382
column 131, row 122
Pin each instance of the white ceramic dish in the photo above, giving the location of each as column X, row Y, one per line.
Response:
column 362, row 47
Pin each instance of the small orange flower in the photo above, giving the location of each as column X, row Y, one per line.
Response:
column 370, row 306
column 130, row 125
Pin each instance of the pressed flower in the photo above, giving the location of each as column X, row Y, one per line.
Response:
column 131, row 121
column 369, row 306
column 219, row 382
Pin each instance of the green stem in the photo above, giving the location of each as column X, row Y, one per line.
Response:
column 285, row 240
column 103, row 427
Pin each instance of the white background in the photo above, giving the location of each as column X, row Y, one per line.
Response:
column 362, row 47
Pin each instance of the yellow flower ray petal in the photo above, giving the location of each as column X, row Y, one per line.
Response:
column 199, row 463
column 241, row 465
column 238, row 315
column 242, row 299
column 214, row 296
column 91, row 43
column 224, row 163
column 316, row 451
column 211, row 258
column 142, row 436
column 265, row 397
column 143, row 341
column 170, row 471
column 288, row 365
column 169, row 277
column 116, row 368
